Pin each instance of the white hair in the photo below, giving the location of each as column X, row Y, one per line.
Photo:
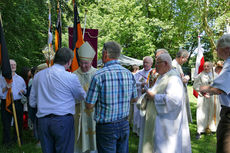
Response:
column 224, row 41
column 166, row 58
column 161, row 50
column 148, row 57
column 209, row 63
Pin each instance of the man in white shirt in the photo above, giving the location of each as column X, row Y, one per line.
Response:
column 53, row 92
column 18, row 88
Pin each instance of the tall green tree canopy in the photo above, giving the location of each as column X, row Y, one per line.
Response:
column 140, row 26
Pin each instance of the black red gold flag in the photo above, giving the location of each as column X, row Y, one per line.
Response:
column 77, row 39
column 58, row 29
column 5, row 64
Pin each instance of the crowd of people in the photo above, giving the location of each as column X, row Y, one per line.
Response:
column 90, row 110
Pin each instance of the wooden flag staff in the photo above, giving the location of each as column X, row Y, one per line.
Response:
column 15, row 119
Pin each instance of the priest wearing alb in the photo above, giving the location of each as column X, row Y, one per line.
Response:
column 181, row 58
column 208, row 108
column 141, row 80
column 85, row 126
column 168, row 125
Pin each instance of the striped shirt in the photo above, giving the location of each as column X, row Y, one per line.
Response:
column 111, row 89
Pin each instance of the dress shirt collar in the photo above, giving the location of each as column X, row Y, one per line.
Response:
column 112, row 62
column 58, row 66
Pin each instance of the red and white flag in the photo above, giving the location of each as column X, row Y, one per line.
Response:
column 199, row 62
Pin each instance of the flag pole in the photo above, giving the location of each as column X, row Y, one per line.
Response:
column 85, row 23
column 214, row 96
column 1, row 19
column 15, row 119
column 49, row 48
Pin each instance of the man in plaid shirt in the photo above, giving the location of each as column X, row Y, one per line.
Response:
column 112, row 89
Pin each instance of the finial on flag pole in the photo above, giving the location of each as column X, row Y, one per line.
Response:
column 85, row 23
column 1, row 18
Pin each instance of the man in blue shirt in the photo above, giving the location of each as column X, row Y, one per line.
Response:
column 221, row 87
column 53, row 92
column 111, row 90
column 18, row 88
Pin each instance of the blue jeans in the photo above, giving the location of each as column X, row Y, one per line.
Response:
column 56, row 134
column 113, row 137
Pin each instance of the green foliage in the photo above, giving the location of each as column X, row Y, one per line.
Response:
column 25, row 30
column 140, row 27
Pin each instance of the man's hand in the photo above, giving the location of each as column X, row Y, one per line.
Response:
column 150, row 95
column 8, row 86
column 185, row 79
column 21, row 92
column 204, row 90
column 89, row 106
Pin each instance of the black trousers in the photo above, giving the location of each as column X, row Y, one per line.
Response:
column 6, row 118
column 223, row 131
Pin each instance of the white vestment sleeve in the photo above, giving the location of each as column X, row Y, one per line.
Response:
column 172, row 99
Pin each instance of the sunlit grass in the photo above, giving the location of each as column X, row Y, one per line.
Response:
column 207, row 143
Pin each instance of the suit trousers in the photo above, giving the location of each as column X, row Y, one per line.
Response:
column 56, row 133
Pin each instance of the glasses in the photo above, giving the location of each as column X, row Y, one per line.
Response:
column 157, row 63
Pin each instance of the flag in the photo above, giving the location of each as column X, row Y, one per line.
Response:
column 50, row 35
column 49, row 60
column 199, row 62
column 5, row 64
column 77, row 39
column 58, row 29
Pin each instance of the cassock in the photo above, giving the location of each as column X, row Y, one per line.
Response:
column 208, row 109
column 85, row 126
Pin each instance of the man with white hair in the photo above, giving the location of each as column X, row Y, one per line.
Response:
column 207, row 107
column 85, row 126
column 152, row 76
column 18, row 89
column 170, row 131
column 141, row 80
column 221, row 87
column 181, row 58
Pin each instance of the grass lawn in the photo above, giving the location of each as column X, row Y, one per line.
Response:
column 207, row 143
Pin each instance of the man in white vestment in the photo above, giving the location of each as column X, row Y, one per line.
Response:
column 166, row 125
column 85, row 126
column 152, row 76
column 141, row 79
column 181, row 58
column 208, row 108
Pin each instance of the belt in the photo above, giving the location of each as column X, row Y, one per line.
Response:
column 53, row 115
column 18, row 100
column 113, row 122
